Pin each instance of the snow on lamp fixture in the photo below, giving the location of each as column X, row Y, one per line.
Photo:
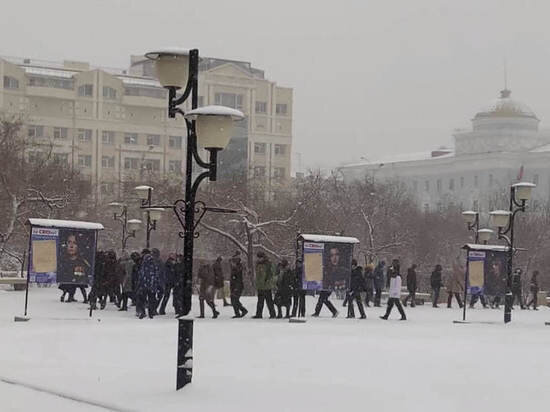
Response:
column 134, row 225
column 143, row 191
column 485, row 235
column 499, row 218
column 214, row 125
column 171, row 66
column 155, row 213
column 469, row 216
column 523, row 190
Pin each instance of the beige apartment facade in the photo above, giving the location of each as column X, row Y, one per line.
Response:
column 112, row 124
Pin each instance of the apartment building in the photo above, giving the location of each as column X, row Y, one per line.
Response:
column 112, row 124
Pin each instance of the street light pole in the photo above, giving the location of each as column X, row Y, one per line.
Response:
column 129, row 226
column 520, row 193
column 179, row 69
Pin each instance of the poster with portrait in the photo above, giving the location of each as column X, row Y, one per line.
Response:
column 75, row 256
column 43, row 255
column 495, row 273
column 337, row 265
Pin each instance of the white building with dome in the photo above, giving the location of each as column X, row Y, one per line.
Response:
column 503, row 147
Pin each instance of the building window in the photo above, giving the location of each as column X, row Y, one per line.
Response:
column 451, row 184
column 108, row 162
column 476, row 181
column 279, row 173
column 35, row 131
column 109, row 93
column 85, row 160
column 175, row 142
column 67, row 84
column 84, row 135
column 280, row 149
column 427, row 185
column 438, row 185
column 86, row 90
column 155, row 93
column 174, row 166
column 60, row 132
column 11, row 82
column 462, row 181
column 130, row 138
column 259, row 171
column 536, row 179
column 108, row 137
column 131, row 163
column 261, row 107
column 415, row 185
column 490, row 180
column 151, row 164
column 107, row 188
column 230, row 100
column 259, row 148
column 153, row 140
column 281, row 108
column 36, row 157
column 440, row 207
column 61, row 158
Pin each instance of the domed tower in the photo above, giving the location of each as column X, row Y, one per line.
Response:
column 505, row 125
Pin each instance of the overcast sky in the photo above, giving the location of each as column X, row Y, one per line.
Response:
column 370, row 78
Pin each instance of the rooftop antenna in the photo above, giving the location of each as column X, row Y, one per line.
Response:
column 505, row 93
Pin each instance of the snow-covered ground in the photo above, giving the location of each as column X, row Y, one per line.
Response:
column 425, row 364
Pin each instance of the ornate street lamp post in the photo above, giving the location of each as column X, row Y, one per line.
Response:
column 211, row 128
column 129, row 226
column 520, row 193
column 472, row 221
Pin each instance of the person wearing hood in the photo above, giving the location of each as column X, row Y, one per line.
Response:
column 148, row 285
column 169, row 281
column 357, row 285
column 436, row 283
column 283, row 296
column 455, row 284
column 126, row 267
column 207, row 290
column 395, row 291
column 378, row 278
column 236, row 286
column 411, row 286
column 516, row 288
column 264, row 285
column 534, row 288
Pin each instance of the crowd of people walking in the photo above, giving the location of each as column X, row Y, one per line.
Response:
column 147, row 282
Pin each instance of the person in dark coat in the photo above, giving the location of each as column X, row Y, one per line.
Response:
column 378, row 282
column 411, row 286
column 516, row 288
column 285, row 282
column 207, row 290
column 357, row 285
column 219, row 280
column 169, row 281
column 264, row 286
column 436, row 282
column 136, row 257
column 148, row 285
column 534, row 288
column 455, row 284
column 110, row 280
column 369, row 284
column 127, row 266
column 299, row 294
column 99, row 269
column 495, row 284
column 236, row 286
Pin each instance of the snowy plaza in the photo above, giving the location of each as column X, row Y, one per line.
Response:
column 122, row 363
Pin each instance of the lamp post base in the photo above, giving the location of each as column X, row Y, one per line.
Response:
column 185, row 353
column 508, row 300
